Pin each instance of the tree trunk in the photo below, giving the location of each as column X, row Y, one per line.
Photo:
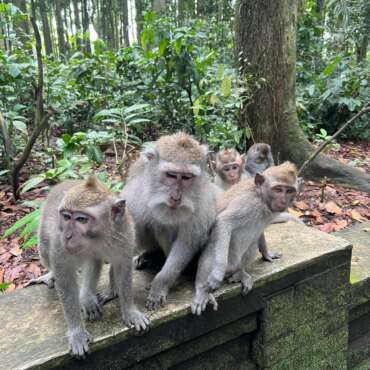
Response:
column 266, row 37
column 85, row 27
column 60, row 28
column 124, row 11
column 159, row 6
column 361, row 49
column 21, row 5
column 139, row 18
column 77, row 23
column 45, row 28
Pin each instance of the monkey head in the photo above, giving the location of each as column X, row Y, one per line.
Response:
column 230, row 165
column 278, row 186
column 176, row 163
column 259, row 158
column 81, row 212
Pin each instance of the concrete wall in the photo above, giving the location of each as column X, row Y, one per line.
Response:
column 302, row 314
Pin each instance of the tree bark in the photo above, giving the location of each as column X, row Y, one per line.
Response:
column 77, row 22
column 46, row 28
column 361, row 49
column 124, row 12
column 85, row 27
column 139, row 18
column 266, row 39
column 60, row 28
column 21, row 5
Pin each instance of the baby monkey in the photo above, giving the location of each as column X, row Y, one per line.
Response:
column 229, row 168
column 83, row 224
column 243, row 213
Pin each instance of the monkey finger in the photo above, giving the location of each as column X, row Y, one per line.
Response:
column 213, row 302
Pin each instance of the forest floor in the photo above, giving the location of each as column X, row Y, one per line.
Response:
column 324, row 206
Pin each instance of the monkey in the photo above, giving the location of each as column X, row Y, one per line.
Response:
column 243, row 213
column 173, row 203
column 259, row 157
column 229, row 168
column 83, row 224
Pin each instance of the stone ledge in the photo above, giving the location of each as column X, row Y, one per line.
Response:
column 32, row 334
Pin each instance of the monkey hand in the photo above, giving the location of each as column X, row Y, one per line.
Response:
column 270, row 256
column 90, row 306
column 214, row 281
column 200, row 301
column 79, row 343
column 156, row 298
column 135, row 318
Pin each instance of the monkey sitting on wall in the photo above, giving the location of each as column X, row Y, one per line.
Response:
column 82, row 224
column 243, row 213
column 229, row 168
column 173, row 204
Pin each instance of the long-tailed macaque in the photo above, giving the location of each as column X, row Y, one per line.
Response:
column 82, row 224
column 229, row 168
column 173, row 204
column 259, row 157
column 243, row 213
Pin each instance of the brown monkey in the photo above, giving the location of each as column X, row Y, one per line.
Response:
column 82, row 224
column 229, row 168
column 173, row 204
column 243, row 213
column 259, row 157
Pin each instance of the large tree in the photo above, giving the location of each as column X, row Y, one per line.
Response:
column 266, row 48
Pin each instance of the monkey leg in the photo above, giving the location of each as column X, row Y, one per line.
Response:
column 201, row 300
column 88, row 298
column 266, row 255
column 241, row 276
column 111, row 292
column 47, row 279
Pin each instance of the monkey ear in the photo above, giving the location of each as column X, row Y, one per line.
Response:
column 148, row 153
column 118, row 209
column 259, row 179
column 244, row 157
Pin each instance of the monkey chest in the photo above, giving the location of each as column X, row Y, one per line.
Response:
column 165, row 237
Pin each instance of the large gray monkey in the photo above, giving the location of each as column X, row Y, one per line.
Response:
column 172, row 201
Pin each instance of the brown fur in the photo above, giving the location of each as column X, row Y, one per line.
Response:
column 180, row 147
column 286, row 173
column 87, row 194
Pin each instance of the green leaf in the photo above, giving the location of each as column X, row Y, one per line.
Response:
column 32, row 182
column 14, row 70
column 4, row 286
column 329, row 69
column 3, row 172
column 31, row 242
column 226, row 86
column 21, row 222
column 162, row 46
column 20, row 126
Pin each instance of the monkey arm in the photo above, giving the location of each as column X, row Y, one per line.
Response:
column 285, row 217
column 68, row 292
column 182, row 251
column 221, row 236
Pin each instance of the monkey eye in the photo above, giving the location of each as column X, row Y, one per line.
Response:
column 82, row 219
column 235, row 167
column 187, row 177
column 278, row 189
column 290, row 191
column 66, row 215
column 171, row 175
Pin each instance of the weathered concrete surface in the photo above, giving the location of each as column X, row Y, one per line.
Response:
column 32, row 331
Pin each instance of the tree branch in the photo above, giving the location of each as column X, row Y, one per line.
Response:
column 365, row 109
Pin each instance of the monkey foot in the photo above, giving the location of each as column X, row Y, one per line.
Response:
column 271, row 256
column 247, row 282
column 138, row 320
column 200, row 302
column 213, row 282
column 106, row 296
column 155, row 300
column 79, row 343
column 91, row 307
column 47, row 279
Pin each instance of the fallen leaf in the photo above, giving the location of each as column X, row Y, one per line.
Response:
column 317, row 215
column 13, row 274
column 16, row 251
column 357, row 216
column 331, row 207
column 301, row 205
column 294, row 212
column 327, row 228
column 34, row 269
column 355, row 202
column 340, row 224
column 2, row 271
column 10, row 288
column 5, row 257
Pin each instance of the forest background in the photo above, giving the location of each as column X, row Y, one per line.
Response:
column 83, row 83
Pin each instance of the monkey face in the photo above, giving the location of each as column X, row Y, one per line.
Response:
column 281, row 197
column 231, row 173
column 77, row 229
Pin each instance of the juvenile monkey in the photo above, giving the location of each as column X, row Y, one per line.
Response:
column 173, row 204
column 82, row 224
column 243, row 213
column 259, row 157
column 229, row 168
